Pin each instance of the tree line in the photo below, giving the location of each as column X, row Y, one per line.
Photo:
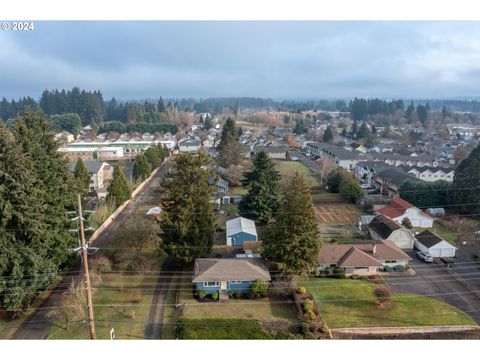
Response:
column 36, row 190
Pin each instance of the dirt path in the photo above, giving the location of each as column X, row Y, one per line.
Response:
column 154, row 324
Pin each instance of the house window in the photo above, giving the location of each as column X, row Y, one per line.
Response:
column 235, row 282
column 211, row 284
column 390, row 261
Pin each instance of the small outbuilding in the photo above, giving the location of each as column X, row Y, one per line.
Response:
column 434, row 245
column 240, row 230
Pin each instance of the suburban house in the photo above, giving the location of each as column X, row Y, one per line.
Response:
column 365, row 171
column 431, row 174
column 383, row 228
column 365, row 258
column 388, row 181
column 340, row 156
column 221, row 185
column 407, row 160
column 189, row 145
column 100, row 174
column 239, row 230
column 434, row 245
column 223, row 275
column 275, row 152
column 399, row 209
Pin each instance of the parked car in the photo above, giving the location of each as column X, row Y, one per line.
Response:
column 294, row 158
column 425, row 256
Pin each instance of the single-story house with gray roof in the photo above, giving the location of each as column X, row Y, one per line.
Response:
column 223, row 275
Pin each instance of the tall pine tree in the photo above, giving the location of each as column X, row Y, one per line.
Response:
column 119, row 189
column 295, row 241
column 81, row 174
column 188, row 221
column 262, row 183
column 141, row 168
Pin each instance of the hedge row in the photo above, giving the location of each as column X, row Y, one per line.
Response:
column 220, row 329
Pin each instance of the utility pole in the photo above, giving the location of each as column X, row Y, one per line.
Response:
column 86, row 272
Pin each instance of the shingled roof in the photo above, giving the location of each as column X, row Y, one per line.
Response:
column 211, row 269
column 397, row 207
column 383, row 226
column 365, row 253
column 428, row 238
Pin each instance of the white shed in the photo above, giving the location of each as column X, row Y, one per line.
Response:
column 434, row 245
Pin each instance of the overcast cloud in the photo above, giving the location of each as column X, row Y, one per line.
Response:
column 133, row 60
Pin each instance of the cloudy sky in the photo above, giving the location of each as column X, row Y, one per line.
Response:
column 326, row 59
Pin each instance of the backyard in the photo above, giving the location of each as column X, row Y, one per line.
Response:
column 288, row 168
column 351, row 303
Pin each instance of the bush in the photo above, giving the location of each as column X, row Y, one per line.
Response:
column 383, row 293
column 220, row 329
column 237, row 295
column 215, row 295
column 399, row 268
column 230, row 294
column 258, row 289
column 329, row 271
column 339, row 273
column 301, row 290
column 311, row 315
column 101, row 264
column 201, row 294
column 307, row 305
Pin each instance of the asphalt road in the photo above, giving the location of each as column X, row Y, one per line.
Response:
column 37, row 325
column 432, row 280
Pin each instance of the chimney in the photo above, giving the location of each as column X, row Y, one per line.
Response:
column 374, row 249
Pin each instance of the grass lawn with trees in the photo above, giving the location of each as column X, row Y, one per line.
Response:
column 351, row 303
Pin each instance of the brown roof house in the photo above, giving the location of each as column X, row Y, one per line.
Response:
column 223, row 275
column 365, row 258
column 384, row 228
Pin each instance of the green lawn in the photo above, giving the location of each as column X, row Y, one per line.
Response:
column 443, row 232
column 220, row 329
column 325, row 197
column 351, row 303
column 288, row 168
column 260, row 309
column 237, row 190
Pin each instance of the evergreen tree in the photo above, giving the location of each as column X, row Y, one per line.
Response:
column 230, row 151
column 466, row 183
column 296, row 240
column 119, row 189
column 335, row 178
column 141, row 168
column 153, row 156
column 300, row 127
column 328, row 135
column 161, row 105
column 188, row 222
column 208, row 124
column 363, row 132
column 262, row 183
column 351, row 189
column 81, row 174
column 422, row 113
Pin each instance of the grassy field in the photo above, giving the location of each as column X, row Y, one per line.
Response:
column 351, row 303
column 237, row 190
column 121, row 302
column 443, row 232
column 325, row 197
column 288, row 168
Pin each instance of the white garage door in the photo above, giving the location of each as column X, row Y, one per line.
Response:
column 447, row 252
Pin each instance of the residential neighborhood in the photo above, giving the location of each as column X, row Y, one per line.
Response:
column 136, row 215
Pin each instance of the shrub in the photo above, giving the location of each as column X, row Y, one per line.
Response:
column 307, row 305
column 311, row 315
column 237, row 295
column 399, row 268
column 215, row 295
column 101, row 264
column 230, row 294
column 301, row 290
column 137, row 296
column 201, row 294
column 383, row 293
column 329, row 271
column 258, row 289
column 339, row 273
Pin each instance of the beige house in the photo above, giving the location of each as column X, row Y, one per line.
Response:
column 383, row 228
column 100, row 174
column 364, row 258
